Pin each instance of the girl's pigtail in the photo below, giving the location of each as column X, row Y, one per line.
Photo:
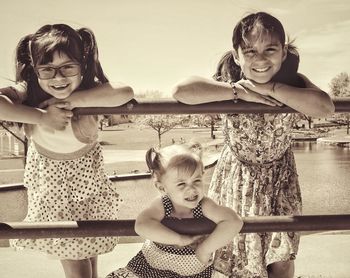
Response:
column 24, row 67
column 227, row 70
column 288, row 74
column 92, row 65
column 152, row 160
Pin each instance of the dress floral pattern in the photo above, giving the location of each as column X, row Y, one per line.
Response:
column 256, row 175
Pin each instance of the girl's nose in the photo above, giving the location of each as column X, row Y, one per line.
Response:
column 260, row 57
column 192, row 188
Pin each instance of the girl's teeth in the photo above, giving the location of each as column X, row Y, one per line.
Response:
column 262, row 69
column 60, row 87
column 192, row 198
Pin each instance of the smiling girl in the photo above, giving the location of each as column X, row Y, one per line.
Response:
column 177, row 171
column 57, row 70
column 256, row 173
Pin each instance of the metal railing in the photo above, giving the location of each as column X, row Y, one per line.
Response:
column 170, row 106
column 186, row 226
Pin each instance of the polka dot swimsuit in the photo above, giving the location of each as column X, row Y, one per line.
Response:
column 69, row 190
column 163, row 261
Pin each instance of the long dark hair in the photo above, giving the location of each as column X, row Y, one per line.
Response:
column 227, row 70
column 38, row 48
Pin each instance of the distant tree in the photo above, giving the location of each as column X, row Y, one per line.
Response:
column 206, row 120
column 160, row 123
column 340, row 87
column 149, row 94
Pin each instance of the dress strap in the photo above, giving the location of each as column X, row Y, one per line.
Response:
column 197, row 211
column 168, row 205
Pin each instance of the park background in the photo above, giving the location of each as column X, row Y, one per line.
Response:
column 151, row 45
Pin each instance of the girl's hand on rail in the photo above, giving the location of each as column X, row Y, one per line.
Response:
column 188, row 240
column 255, row 93
column 203, row 257
column 52, row 101
column 56, row 116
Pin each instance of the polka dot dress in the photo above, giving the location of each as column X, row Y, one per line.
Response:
column 69, row 190
column 163, row 261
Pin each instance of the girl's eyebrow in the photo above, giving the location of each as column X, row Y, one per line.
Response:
column 59, row 65
column 250, row 46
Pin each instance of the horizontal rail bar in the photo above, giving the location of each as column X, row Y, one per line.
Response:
column 170, row 106
column 184, row 226
column 113, row 178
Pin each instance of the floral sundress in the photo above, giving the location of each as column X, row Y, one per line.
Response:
column 256, row 176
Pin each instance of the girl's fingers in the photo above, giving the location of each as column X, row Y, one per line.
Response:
column 44, row 104
column 267, row 102
column 246, row 83
column 69, row 114
column 276, row 102
column 61, row 105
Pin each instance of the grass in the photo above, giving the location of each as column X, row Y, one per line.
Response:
column 122, row 137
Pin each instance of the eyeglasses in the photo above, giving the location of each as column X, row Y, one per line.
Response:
column 67, row 70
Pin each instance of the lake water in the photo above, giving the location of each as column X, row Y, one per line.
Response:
column 324, row 175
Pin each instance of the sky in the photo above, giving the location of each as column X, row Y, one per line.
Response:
column 153, row 44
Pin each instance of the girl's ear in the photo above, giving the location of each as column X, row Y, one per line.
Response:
column 235, row 57
column 284, row 52
column 159, row 186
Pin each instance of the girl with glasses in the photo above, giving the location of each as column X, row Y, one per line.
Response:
column 57, row 70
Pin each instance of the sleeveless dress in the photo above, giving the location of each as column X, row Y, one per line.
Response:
column 165, row 261
column 71, row 189
column 256, row 175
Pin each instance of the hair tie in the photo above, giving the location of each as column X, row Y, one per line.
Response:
column 150, row 157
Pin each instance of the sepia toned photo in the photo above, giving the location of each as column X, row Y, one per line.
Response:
column 180, row 139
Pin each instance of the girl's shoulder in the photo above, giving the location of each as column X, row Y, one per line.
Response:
column 207, row 204
column 154, row 210
column 157, row 204
column 16, row 92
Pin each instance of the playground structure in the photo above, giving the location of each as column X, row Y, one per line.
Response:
column 9, row 145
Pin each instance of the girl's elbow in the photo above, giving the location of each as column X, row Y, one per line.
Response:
column 184, row 94
column 325, row 109
column 233, row 222
column 179, row 93
column 138, row 227
column 328, row 110
column 123, row 94
column 239, row 224
column 128, row 93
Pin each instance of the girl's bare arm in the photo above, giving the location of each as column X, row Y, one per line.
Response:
column 54, row 116
column 311, row 101
column 104, row 95
column 148, row 225
column 228, row 225
column 196, row 90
